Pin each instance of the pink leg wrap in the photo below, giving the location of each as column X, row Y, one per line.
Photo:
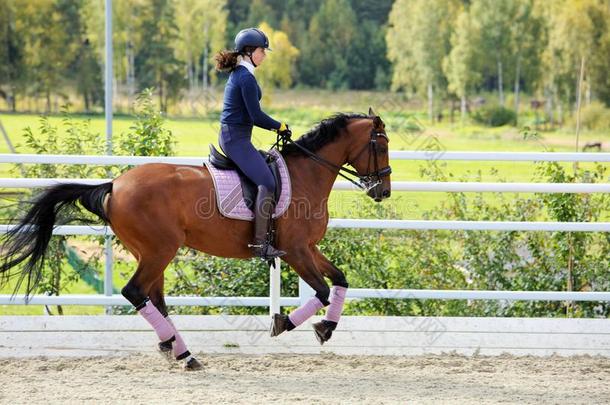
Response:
column 157, row 321
column 178, row 345
column 305, row 311
column 337, row 297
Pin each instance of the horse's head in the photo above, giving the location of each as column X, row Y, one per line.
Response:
column 369, row 155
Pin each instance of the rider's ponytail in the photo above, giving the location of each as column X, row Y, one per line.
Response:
column 227, row 60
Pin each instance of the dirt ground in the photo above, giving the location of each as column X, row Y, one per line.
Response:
column 307, row 379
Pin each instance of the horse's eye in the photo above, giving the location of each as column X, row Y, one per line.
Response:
column 381, row 150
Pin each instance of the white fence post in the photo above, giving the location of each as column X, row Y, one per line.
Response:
column 305, row 291
column 108, row 112
column 275, row 286
column 108, row 285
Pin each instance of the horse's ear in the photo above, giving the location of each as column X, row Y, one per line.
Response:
column 378, row 123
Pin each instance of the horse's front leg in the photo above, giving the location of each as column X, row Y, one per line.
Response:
column 304, row 263
column 325, row 328
column 177, row 347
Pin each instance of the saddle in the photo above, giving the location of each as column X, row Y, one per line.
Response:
column 236, row 193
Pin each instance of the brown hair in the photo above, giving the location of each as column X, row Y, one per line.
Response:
column 227, row 60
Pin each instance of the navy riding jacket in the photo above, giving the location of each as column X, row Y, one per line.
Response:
column 242, row 102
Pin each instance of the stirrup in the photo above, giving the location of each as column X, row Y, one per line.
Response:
column 265, row 251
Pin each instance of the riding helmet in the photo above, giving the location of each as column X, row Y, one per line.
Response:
column 251, row 37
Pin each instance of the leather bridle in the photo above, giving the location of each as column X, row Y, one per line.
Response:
column 372, row 178
column 365, row 182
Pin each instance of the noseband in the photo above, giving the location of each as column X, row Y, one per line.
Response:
column 365, row 182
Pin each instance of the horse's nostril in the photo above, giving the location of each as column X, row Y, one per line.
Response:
column 386, row 193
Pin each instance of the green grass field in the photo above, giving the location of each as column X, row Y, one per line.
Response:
column 194, row 134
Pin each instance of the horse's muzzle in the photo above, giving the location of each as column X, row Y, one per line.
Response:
column 379, row 193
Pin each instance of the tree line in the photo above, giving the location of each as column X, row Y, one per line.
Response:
column 437, row 49
column 556, row 49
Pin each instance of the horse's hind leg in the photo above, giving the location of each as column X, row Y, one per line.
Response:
column 152, row 262
column 178, row 347
column 138, row 289
column 157, row 298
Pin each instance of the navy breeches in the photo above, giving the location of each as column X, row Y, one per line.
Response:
column 237, row 145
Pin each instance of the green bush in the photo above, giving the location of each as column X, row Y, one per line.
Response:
column 595, row 117
column 534, row 261
column 495, row 116
column 147, row 137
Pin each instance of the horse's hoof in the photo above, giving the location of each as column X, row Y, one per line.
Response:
column 193, row 365
column 278, row 324
column 165, row 349
column 323, row 331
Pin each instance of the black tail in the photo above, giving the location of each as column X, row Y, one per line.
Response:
column 30, row 238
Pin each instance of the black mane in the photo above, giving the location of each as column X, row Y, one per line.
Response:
column 322, row 134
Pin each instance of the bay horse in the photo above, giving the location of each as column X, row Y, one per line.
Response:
column 154, row 209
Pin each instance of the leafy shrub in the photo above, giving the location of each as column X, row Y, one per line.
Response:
column 594, row 116
column 147, row 137
column 495, row 116
column 534, row 261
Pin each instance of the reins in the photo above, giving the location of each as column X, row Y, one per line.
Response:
column 365, row 182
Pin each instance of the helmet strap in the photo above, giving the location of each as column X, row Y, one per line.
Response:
column 251, row 60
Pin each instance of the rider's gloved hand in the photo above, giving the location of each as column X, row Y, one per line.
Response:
column 284, row 131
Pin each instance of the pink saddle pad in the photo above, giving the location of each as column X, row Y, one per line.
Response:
column 230, row 198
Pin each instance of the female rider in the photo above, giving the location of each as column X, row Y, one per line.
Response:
column 241, row 111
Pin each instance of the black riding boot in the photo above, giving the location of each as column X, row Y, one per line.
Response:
column 263, row 209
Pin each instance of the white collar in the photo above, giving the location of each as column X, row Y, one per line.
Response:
column 247, row 65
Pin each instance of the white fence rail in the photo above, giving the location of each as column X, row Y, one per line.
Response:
column 274, row 301
column 353, row 293
column 394, row 155
column 404, row 224
column 396, row 186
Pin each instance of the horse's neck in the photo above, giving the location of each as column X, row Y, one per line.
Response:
column 313, row 180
